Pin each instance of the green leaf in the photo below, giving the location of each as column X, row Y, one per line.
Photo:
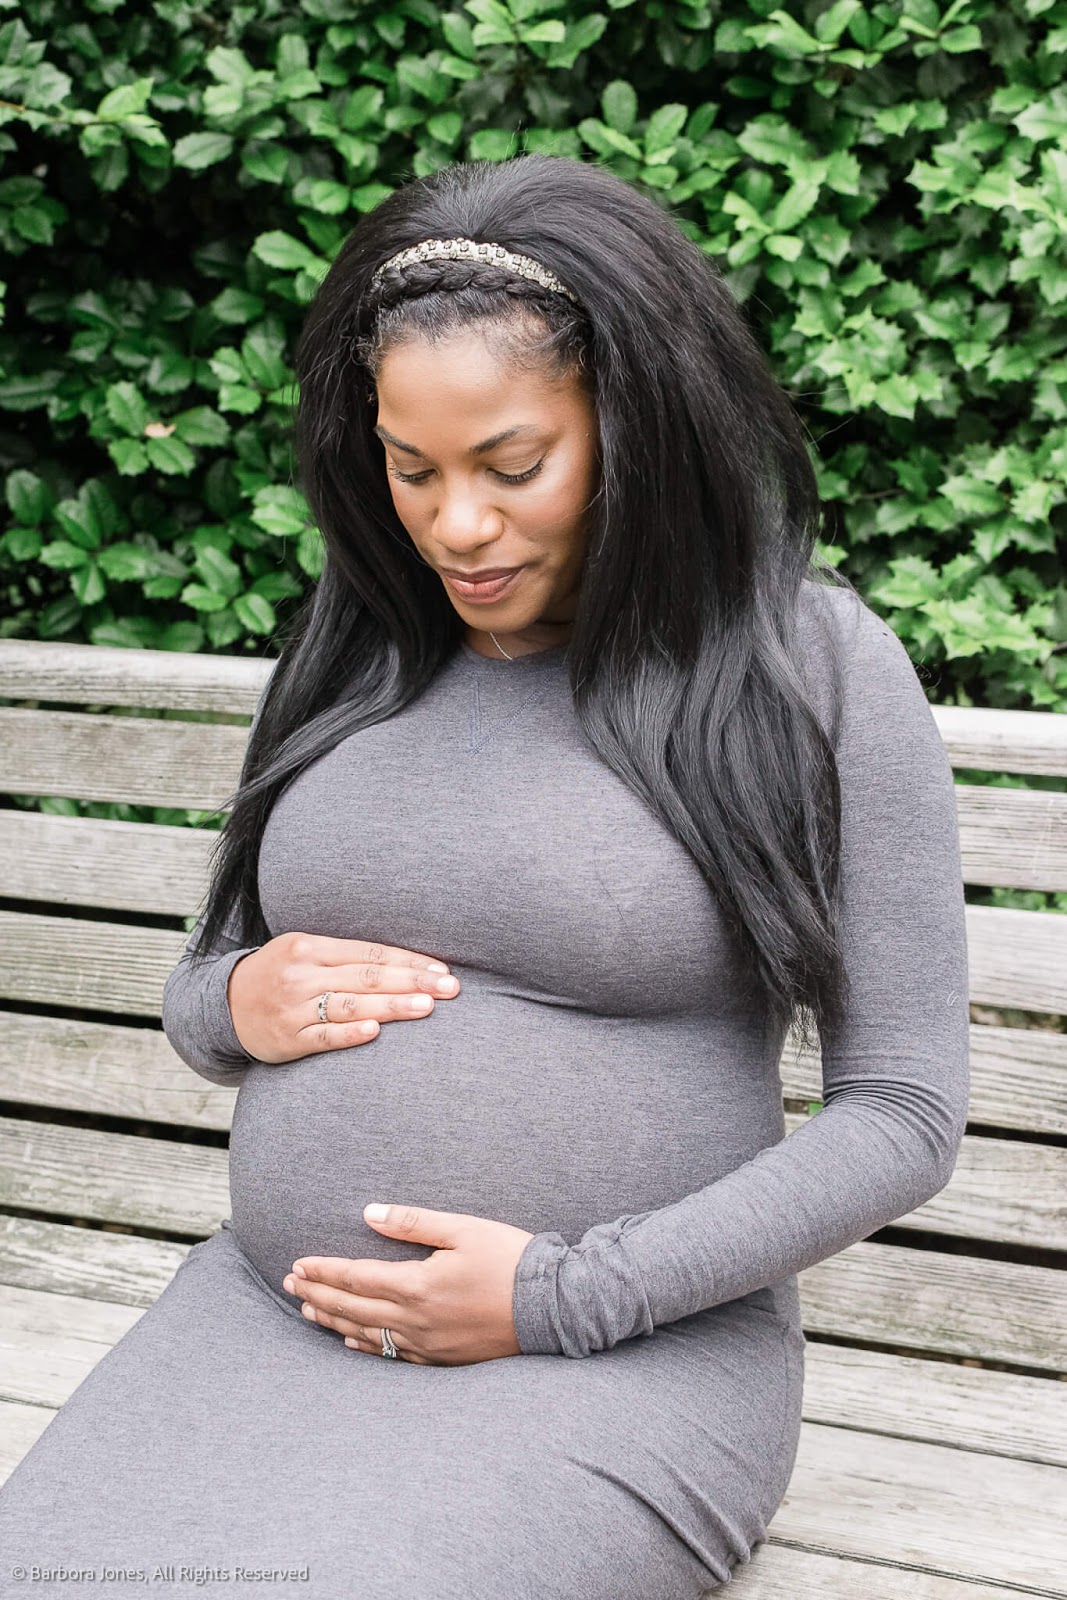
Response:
column 897, row 395
column 1044, row 119
column 227, row 65
column 28, row 496
column 201, row 425
column 88, row 584
column 795, row 205
column 63, row 556
column 311, row 552
column 446, row 127
column 957, row 40
column 333, row 199
column 786, row 245
column 125, row 100
column 126, row 408
column 971, row 497
column 126, row 563
column 771, row 139
column 238, row 397
column 664, row 126
column 279, row 249
column 199, row 150
column 280, row 510
column 911, row 582
column 263, row 355
column 21, row 544
column 492, row 144
column 236, row 305
column 267, row 162
column 551, row 32
column 129, row 456
column 170, row 456
column 457, row 30
column 202, row 598
column 618, row 102
column 256, row 613
column 831, row 24
column 221, row 574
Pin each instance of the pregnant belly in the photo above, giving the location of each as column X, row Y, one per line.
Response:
column 543, row 1116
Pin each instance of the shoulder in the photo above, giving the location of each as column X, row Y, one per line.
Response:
column 855, row 665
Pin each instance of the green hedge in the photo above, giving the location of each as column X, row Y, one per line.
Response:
column 886, row 186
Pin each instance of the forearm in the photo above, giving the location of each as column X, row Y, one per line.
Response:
column 196, row 1016
column 839, row 1177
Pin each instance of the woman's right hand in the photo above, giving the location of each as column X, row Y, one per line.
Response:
column 273, row 993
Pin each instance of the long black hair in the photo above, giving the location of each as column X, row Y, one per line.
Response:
column 683, row 654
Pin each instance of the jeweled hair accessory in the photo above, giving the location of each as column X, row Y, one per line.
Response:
column 468, row 250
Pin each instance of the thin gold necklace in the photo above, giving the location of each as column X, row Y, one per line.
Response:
column 499, row 646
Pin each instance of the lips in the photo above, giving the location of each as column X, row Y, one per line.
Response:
column 483, row 576
column 488, row 591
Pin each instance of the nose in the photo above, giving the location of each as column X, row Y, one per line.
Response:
column 465, row 520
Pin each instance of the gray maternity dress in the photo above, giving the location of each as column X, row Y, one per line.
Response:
column 597, row 1082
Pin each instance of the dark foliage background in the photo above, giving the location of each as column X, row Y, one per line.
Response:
column 885, row 185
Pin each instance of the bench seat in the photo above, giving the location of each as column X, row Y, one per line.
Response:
column 933, row 1453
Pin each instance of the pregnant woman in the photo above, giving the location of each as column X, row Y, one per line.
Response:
column 575, row 786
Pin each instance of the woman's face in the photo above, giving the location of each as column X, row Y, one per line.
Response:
column 457, row 422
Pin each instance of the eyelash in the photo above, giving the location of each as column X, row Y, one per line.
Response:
column 505, row 477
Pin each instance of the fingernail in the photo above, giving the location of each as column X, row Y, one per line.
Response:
column 438, row 966
column 376, row 1212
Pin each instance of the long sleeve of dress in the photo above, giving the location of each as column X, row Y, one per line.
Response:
column 196, row 1012
column 895, row 1076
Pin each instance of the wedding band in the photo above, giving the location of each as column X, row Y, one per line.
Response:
column 388, row 1347
column 323, row 1002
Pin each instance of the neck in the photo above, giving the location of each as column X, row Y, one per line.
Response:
column 499, row 643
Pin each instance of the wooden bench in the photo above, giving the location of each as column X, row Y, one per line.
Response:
column 933, row 1462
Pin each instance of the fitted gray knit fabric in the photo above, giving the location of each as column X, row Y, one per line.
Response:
column 598, row 1082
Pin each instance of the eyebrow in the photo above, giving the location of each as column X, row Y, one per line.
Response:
column 475, row 450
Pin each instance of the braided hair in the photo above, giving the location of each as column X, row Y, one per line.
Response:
column 431, row 298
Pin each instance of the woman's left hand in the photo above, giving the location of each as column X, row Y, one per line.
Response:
column 451, row 1309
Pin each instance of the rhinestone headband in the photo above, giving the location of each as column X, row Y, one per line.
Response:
column 468, row 250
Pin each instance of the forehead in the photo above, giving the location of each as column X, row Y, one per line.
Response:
column 469, row 376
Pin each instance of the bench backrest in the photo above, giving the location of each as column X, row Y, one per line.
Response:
column 85, row 948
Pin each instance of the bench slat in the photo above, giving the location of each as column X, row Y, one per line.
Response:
column 143, row 761
column 779, row 1572
column 50, row 1342
column 1016, row 959
column 1007, row 1190
column 941, row 1402
column 930, row 1300
column 97, row 1263
column 987, row 739
column 932, row 1512
column 981, row 739
column 923, row 1300
column 114, row 865
column 928, row 1506
column 1001, row 1190
column 1018, row 1075
column 106, row 1069
column 113, row 1177
column 1013, row 837
column 93, row 674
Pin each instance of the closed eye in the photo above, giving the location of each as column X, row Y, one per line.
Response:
column 504, row 477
